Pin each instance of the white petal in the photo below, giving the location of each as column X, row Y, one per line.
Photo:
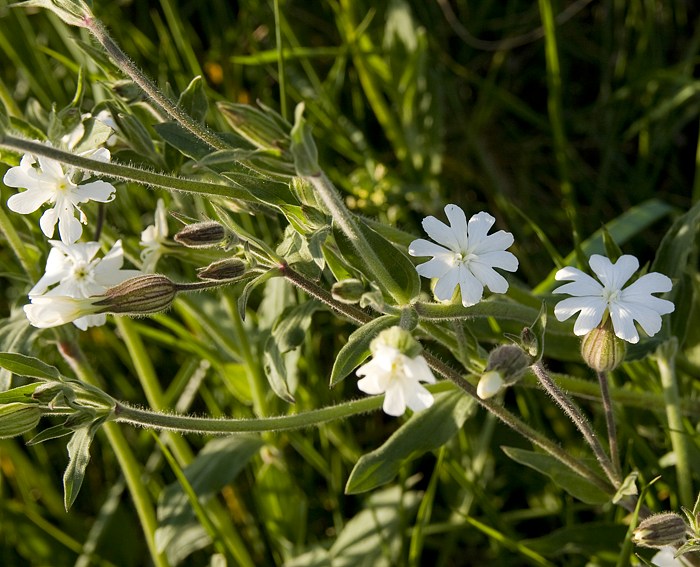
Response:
column 90, row 321
column 648, row 284
column 69, row 227
column 423, row 247
column 458, row 225
column 417, row 369
column 21, row 177
column 417, row 397
column 48, row 221
column 583, row 286
column 499, row 259
column 614, row 276
column 394, row 402
column 478, row 227
column 470, row 287
column 591, row 308
column 500, row 240
column 623, row 323
column 445, row 286
column 489, row 385
column 437, row 267
column 441, row 233
column 95, row 191
column 29, row 201
column 489, row 277
column 51, row 169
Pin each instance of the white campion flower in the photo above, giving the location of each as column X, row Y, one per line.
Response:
column 665, row 558
column 46, row 181
column 465, row 255
column 593, row 300
column 153, row 237
column 75, row 272
column 53, row 310
column 396, row 374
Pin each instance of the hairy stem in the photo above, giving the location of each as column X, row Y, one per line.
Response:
column 610, row 421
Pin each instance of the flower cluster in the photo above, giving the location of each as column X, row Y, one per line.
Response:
column 74, row 273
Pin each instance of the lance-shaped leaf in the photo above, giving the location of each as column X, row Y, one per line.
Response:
column 23, row 365
column 78, row 459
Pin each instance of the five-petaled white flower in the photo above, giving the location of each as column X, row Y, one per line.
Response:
column 76, row 273
column 46, row 181
column 594, row 299
column 398, row 376
column 465, row 255
column 153, row 237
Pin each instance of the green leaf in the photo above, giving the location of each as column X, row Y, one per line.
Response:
column 181, row 140
column 303, row 146
column 276, row 371
column 427, row 430
column 78, row 459
column 248, row 289
column 373, row 537
column 50, row 433
column 357, row 348
column 21, row 394
column 193, row 100
column 398, row 264
column 292, row 326
column 179, row 533
column 23, row 365
column 561, row 475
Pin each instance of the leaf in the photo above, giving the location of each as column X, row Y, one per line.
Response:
column 427, row 430
column 217, row 465
column 275, row 370
column 23, row 365
column 78, row 459
column 398, row 264
column 194, row 101
column 291, row 328
column 248, row 289
column 357, row 348
column 181, row 140
column 303, row 147
column 18, row 418
column 373, row 537
column 20, row 394
column 561, row 475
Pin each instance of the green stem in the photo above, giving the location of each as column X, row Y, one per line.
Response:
column 610, row 421
column 204, row 425
column 280, row 59
column 578, row 418
column 130, row 69
column 665, row 357
column 127, row 461
column 127, row 173
column 515, row 423
column 345, row 221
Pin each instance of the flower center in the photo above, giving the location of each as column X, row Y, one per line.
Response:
column 81, row 271
column 611, row 295
column 463, row 258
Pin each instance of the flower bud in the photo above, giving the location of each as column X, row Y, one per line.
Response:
column 139, row 296
column 18, row 418
column 602, row 350
column 348, row 291
column 660, row 530
column 399, row 339
column 228, row 269
column 490, row 384
column 206, row 234
column 510, row 361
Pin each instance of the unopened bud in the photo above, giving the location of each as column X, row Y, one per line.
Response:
column 206, row 234
column 490, row 384
column 18, row 418
column 602, row 350
column 139, row 296
column 510, row 361
column 348, row 291
column 228, row 269
column 660, row 530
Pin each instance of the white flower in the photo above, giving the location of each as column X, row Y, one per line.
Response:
column 153, row 238
column 76, row 273
column 399, row 376
column 467, row 255
column 633, row 303
column 51, row 311
column 45, row 181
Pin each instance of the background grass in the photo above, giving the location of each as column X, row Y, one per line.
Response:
column 556, row 126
